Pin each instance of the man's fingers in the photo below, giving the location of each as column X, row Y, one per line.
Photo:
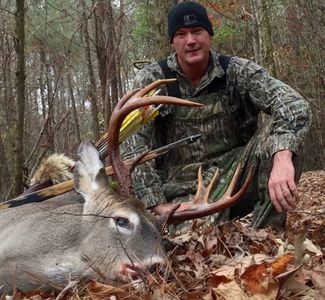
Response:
column 287, row 194
column 282, row 199
column 294, row 193
column 274, row 200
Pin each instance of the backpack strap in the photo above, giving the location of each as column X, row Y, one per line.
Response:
column 220, row 83
column 224, row 61
column 173, row 87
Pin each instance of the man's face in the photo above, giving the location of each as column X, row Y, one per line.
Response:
column 192, row 45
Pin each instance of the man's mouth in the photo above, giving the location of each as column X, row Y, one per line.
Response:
column 192, row 50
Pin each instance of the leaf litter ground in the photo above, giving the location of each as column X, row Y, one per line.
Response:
column 233, row 261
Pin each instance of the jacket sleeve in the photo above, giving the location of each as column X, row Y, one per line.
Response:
column 146, row 179
column 289, row 111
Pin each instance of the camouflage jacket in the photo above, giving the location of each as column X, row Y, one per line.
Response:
column 227, row 121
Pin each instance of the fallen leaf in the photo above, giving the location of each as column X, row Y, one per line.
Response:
column 214, row 280
column 101, row 291
column 293, row 287
column 309, row 245
column 280, row 265
column 157, row 295
column 194, row 256
column 227, row 291
column 318, row 279
column 225, row 270
column 255, row 278
column 283, row 277
column 210, row 243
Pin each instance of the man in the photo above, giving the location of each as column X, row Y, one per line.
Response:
column 234, row 90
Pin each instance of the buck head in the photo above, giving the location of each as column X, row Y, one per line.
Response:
column 121, row 236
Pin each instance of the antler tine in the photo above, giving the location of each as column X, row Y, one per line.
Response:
column 200, row 207
column 135, row 103
column 233, row 182
column 200, row 187
column 211, row 185
column 202, row 193
column 126, row 98
column 120, row 111
column 153, row 85
column 102, row 142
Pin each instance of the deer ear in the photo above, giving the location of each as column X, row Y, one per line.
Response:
column 89, row 173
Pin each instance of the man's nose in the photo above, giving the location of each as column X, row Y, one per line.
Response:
column 190, row 38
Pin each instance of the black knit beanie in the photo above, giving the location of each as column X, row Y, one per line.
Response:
column 188, row 14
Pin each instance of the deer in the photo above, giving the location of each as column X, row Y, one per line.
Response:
column 94, row 232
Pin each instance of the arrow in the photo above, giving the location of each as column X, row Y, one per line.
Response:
column 61, row 188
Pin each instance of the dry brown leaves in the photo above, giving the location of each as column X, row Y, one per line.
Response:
column 234, row 261
column 309, row 217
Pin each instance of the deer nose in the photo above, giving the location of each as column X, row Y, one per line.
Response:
column 137, row 272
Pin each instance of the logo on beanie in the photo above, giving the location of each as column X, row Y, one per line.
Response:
column 190, row 20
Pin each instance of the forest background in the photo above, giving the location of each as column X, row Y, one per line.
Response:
column 66, row 63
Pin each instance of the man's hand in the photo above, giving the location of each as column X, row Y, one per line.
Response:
column 282, row 188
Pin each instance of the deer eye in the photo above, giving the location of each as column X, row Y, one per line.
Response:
column 122, row 222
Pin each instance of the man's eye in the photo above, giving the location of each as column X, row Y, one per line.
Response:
column 179, row 34
column 122, row 222
column 198, row 30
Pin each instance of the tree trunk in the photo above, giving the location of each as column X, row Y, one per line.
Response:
column 4, row 168
column 20, row 96
column 161, row 42
column 8, row 106
column 256, row 8
column 46, row 100
column 111, row 99
column 100, row 48
column 75, row 115
column 92, row 88
column 268, row 49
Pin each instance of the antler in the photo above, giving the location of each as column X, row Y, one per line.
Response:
column 199, row 206
column 128, row 103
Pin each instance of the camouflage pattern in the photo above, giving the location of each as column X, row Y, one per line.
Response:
column 228, row 122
